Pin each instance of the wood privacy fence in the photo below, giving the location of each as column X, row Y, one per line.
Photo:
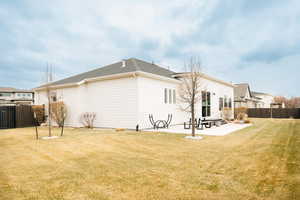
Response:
column 274, row 112
column 16, row 116
column 7, row 117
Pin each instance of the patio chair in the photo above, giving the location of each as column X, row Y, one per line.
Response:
column 205, row 123
column 160, row 123
column 187, row 125
column 170, row 116
column 152, row 121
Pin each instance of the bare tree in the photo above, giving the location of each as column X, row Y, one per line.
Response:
column 281, row 100
column 293, row 102
column 49, row 79
column 59, row 112
column 87, row 119
column 190, row 89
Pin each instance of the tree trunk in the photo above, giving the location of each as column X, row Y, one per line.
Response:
column 49, row 117
column 193, row 116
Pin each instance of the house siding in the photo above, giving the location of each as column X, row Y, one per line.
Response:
column 151, row 101
column 127, row 102
column 113, row 101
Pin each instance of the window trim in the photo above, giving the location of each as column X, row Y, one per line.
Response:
column 221, row 103
column 206, row 104
column 225, row 102
column 166, row 95
column 174, row 96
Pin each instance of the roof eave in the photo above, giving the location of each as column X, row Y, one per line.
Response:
column 109, row 77
column 207, row 77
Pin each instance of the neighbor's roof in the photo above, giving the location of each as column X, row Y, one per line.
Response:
column 132, row 65
column 10, row 89
column 240, row 90
column 260, row 93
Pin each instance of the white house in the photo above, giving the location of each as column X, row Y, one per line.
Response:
column 123, row 95
column 266, row 100
column 244, row 97
column 12, row 96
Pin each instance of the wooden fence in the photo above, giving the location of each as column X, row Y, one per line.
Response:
column 18, row 116
column 274, row 112
column 7, row 117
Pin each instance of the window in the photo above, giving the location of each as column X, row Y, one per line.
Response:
column 166, row 95
column 53, row 96
column 5, row 94
column 221, row 103
column 230, row 103
column 174, row 96
column 19, row 95
column 206, row 104
column 170, row 96
column 225, row 102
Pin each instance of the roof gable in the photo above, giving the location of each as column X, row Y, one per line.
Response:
column 242, row 90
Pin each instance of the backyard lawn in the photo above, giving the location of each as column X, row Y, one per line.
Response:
column 259, row 162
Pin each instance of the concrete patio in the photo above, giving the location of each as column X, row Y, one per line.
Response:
column 213, row 131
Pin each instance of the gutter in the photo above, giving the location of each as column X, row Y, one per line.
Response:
column 110, row 77
column 208, row 78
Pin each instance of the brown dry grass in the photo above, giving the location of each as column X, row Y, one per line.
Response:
column 259, row 162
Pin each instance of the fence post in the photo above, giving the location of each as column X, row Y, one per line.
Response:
column 271, row 112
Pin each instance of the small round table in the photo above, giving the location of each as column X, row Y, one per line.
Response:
column 161, row 124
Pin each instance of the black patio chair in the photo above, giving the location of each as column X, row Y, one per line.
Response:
column 170, row 116
column 205, row 123
column 160, row 123
column 152, row 121
column 187, row 125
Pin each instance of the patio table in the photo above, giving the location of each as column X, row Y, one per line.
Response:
column 161, row 124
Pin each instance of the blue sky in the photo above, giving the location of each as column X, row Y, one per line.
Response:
column 255, row 41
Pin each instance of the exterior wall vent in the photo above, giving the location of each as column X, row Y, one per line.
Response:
column 123, row 63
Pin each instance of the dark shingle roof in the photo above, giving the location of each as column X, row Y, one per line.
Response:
column 132, row 65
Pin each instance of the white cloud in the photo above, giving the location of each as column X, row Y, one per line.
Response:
column 229, row 36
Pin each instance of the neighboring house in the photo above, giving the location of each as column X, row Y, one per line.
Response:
column 123, row 95
column 243, row 97
column 12, row 96
column 266, row 100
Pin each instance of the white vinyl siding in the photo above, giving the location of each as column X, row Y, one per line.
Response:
column 127, row 102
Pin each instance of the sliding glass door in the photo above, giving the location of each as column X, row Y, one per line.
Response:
column 206, row 104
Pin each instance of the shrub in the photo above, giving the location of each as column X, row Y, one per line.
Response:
column 239, row 110
column 39, row 111
column 58, row 112
column 247, row 121
column 227, row 114
column 87, row 119
column 241, row 116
